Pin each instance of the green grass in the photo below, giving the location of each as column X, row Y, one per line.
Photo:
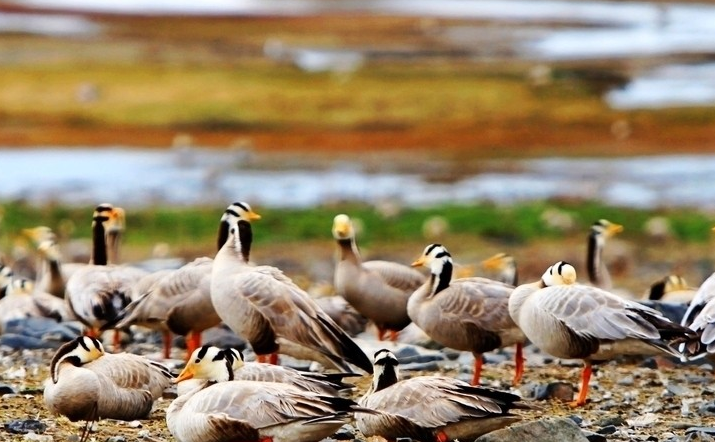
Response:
column 196, row 227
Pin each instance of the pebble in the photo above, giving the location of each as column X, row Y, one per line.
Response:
column 38, row 437
column 25, row 426
column 594, row 437
column 706, row 430
column 626, row 380
column 608, row 429
column 578, row 420
column 616, row 421
column 116, row 439
column 6, row 389
column 562, row 391
column 547, row 429
column 707, row 409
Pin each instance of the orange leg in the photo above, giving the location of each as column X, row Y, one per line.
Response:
column 273, row 359
column 519, row 361
column 381, row 334
column 477, row 368
column 117, row 340
column 92, row 333
column 167, row 344
column 261, row 359
column 193, row 341
column 441, row 436
column 585, row 377
column 393, row 335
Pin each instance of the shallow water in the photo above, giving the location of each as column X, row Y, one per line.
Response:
column 196, row 176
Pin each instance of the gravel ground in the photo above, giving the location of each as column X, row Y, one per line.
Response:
column 630, row 400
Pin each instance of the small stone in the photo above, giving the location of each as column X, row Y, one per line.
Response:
column 144, row 434
column 609, row 429
column 547, row 429
column 616, row 421
column 6, row 389
column 595, row 437
column 707, row 409
column 705, row 430
column 679, row 390
column 38, row 437
column 626, row 380
column 562, row 391
column 578, row 420
column 116, row 439
column 25, row 426
column 682, row 425
column 134, row 424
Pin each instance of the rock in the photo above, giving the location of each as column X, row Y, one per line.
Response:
column 699, row 436
column 116, row 439
column 707, row 409
column 25, row 426
column 6, row 389
column 705, row 430
column 626, row 380
column 547, row 429
column 616, row 421
column 578, row 420
column 595, row 437
column 38, row 437
column 608, row 429
column 562, row 391
column 678, row 390
column 16, row 341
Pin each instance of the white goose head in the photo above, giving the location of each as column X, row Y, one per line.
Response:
column 209, row 363
column 560, row 273
column 343, row 228
column 39, row 234
column 21, row 286
column 386, row 371
column 76, row 352
column 439, row 261
column 50, row 250
column 233, row 213
column 235, row 357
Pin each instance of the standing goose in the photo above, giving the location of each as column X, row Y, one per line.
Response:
column 98, row 292
column 505, row 265
column 468, row 314
column 328, row 384
column 272, row 313
column 221, row 409
column 379, row 290
column 601, row 230
column 575, row 321
column 88, row 384
column 431, row 408
column 179, row 301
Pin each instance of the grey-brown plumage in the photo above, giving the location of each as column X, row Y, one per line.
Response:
column 88, row 384
column 598, row 273
column 469, row 314
column 223, row 410
column 570, row 320
column 23, row 301
column 324, row 383
column 378, row 290
column 431, row 408
column 273, row 314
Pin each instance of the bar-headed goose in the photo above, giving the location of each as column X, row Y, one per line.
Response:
column 468, row 314
column 88, row 384
column 379, row 290
column 221, row 409
column 505, row 267
column 431, row 408
column 672, row 288
column 97, row 292
column 601, row 231
column 330, row 384
column 575, row 321
column 273, row 314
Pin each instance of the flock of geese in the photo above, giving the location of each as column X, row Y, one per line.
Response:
column 222, row 397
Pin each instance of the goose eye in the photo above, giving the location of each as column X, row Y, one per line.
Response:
column 197, row 360
column 233, row 230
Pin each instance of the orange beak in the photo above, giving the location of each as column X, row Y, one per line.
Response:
column 186, row 373
column 419, row 262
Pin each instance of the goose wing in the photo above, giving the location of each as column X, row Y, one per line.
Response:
column 479, row 301
column 396, row 275
column 705, row 293
column 595, row 313
column 133, row 372
column 294, row 315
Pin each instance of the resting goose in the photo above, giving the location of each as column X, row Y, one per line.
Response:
column 601, row 230
column 378, row 290
column 88, row 384
column 23, row 301
column 330, row 384
column 431, row 408
column 468, row 314
column 97, row 292
column 221, row 409
column 575, row 321
column 273, row 314
column 672, row 288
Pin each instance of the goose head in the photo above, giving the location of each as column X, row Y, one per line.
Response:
column 386, row 371
column 209, row 363
column 504, row 264
column 39, row 234
column 76, row 352
column 439, row 261
column 233, row 213
column 605, row 228
column 343, row 228
column 49, row 249
column 559, row 274
column 21, row 286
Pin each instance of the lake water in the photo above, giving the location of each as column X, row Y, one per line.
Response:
column 135, row 178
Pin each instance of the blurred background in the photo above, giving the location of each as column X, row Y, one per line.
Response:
column 487, row 125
